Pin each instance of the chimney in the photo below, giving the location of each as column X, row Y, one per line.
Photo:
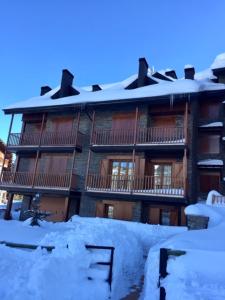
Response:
column 45, row 89
column 66, row 82
column 171, row 73
column 189, row 72
column 142, row 71
column 95, row 88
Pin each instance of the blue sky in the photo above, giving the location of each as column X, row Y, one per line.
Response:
column 100, row 41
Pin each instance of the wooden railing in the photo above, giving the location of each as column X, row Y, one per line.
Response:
column 149, row 135
column 113, row 136
column 160, row 135
column 218, row 200
column 47, row 139
column 43, row 180
column 136, row 184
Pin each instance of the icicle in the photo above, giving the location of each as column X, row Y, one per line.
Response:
column 171, row 100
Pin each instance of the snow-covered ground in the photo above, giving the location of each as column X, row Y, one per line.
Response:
column 64, row 273
column 200, row 273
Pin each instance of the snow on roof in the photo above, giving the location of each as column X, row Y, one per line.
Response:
column 210, row 162
column 117, row 90
column 188, row 66
column 205, row 74
column 163, row 88
column 219, row 61
column 214, row 124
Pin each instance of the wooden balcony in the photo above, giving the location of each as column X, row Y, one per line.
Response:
column 143, row 185
column 48, row 139
column 39, row 180
column 144, row 136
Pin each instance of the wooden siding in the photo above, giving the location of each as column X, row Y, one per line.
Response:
column 122, row 210
column 209, row 143
column 57, row 206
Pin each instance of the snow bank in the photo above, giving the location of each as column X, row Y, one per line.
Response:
column 199, row 274
column 200, row 280
column 66, row 270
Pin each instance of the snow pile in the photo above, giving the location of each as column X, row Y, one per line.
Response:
column 219, row 62
column 210, row 162
column 214, row 124
column 66, row 269
column 199, row 274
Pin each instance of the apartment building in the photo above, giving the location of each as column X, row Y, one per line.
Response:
column 141, row 149
column 5, row 163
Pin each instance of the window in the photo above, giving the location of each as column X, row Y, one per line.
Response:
column 165, row 216
column 209, row 143
column 209, row 181
column 109, row 211
column 122, row 172
column 162, row 175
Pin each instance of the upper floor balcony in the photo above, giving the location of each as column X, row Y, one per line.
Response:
column 17, row 181
column 137, row 185
column 65, row 139
column 144, row 137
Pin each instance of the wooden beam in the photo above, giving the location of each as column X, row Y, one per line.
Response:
column 185, row 172
column 5, row 153
column 134, row 151
column 186, row 123
column 35, row 167
column 89, row 151
column 74, row 151
column 42, row 127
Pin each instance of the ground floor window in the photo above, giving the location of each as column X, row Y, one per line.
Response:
column 109, row 211
column 165, row 217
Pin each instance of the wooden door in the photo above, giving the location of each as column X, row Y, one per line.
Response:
column 57, row 206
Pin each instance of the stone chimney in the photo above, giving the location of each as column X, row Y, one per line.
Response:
column 189, row 72
column 171, row 73
column 45, row 89
column 142, row 71
column 95, row 88
column 66, row 83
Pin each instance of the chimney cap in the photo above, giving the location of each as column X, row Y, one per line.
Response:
column 189, row 66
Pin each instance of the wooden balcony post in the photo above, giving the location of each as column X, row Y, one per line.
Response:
column 134, row 151
column 186, row 123
column 89, row 151
column 185, row 172
column 5, row 153
column 35, row 168
column 74, row 151
column 42, row 127
column 7, row 215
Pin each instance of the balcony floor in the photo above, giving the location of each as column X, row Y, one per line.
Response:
column 139, row 147
column 178, row 199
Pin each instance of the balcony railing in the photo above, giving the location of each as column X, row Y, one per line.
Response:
column 152, row 185
column 47, row 139
column 149, row 135
column 41, row 180
column 218, row 200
